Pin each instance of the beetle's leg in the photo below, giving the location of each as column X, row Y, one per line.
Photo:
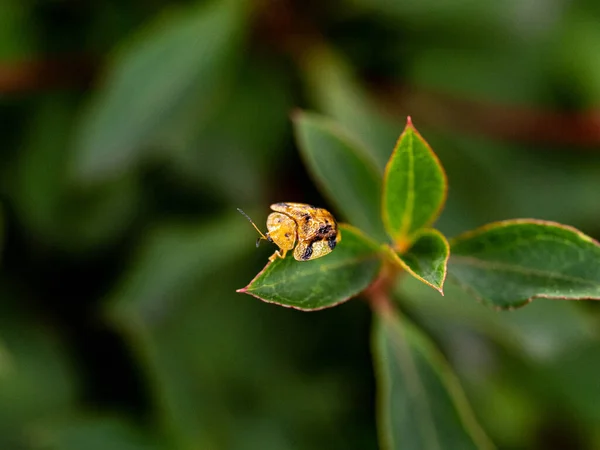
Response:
column 278, row 254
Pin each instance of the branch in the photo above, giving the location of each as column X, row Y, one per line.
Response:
column 502, row 122
column 378, row 293
column 46, row 74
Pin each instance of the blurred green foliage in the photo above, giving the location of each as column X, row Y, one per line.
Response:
column 131, row 130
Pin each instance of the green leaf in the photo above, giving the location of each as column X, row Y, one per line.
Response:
column 343, row 170
column 541, row 332
column 48, row 205
column 90, row 433
column 576, row 55
column 508, row 264
column 427, row 258
column 333, row 86
column 17, row 31
column 37, row 377
column 421, row 404
column 323, row 282
column 237, row 133
column 414, row 188
column 174, row 65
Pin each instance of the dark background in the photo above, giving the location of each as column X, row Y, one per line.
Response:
column 130, row 130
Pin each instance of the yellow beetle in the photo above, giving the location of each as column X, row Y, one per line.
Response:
column 313, row 230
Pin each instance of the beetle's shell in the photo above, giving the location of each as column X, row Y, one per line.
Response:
column 306, row 251
column 282, row 230
column 317, row 230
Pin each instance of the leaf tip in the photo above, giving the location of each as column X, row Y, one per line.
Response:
column 243, row 290
column 409, row 122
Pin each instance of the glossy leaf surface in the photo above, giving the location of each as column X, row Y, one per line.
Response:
column 421, row 404
column 343, row 170
column 507, row 264
column 323, row 282
column 427, row 258
column 414, row 189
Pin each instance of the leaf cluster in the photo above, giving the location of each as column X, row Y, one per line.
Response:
column 505, row 264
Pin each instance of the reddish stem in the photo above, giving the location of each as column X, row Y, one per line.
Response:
column 502, row 122
column 46, row 74
column 377, row 294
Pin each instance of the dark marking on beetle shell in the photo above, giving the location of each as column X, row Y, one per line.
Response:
column 332, row 242
column 324, row 230
column 287, row 235
column 308, row 252
column 306, row 218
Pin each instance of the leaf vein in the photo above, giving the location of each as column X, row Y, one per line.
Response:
column 410, row 194
column 500, row 266
column 310, row 273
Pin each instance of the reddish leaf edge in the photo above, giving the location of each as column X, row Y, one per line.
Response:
column 404, row 241
column 521, row 303
column 502, row 223
column 342, row 226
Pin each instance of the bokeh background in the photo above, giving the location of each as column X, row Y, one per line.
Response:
column 130, row 130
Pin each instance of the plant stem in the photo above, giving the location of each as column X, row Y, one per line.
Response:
column 378, row 294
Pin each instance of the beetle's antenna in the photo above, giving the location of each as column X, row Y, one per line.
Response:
column 262, row 236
